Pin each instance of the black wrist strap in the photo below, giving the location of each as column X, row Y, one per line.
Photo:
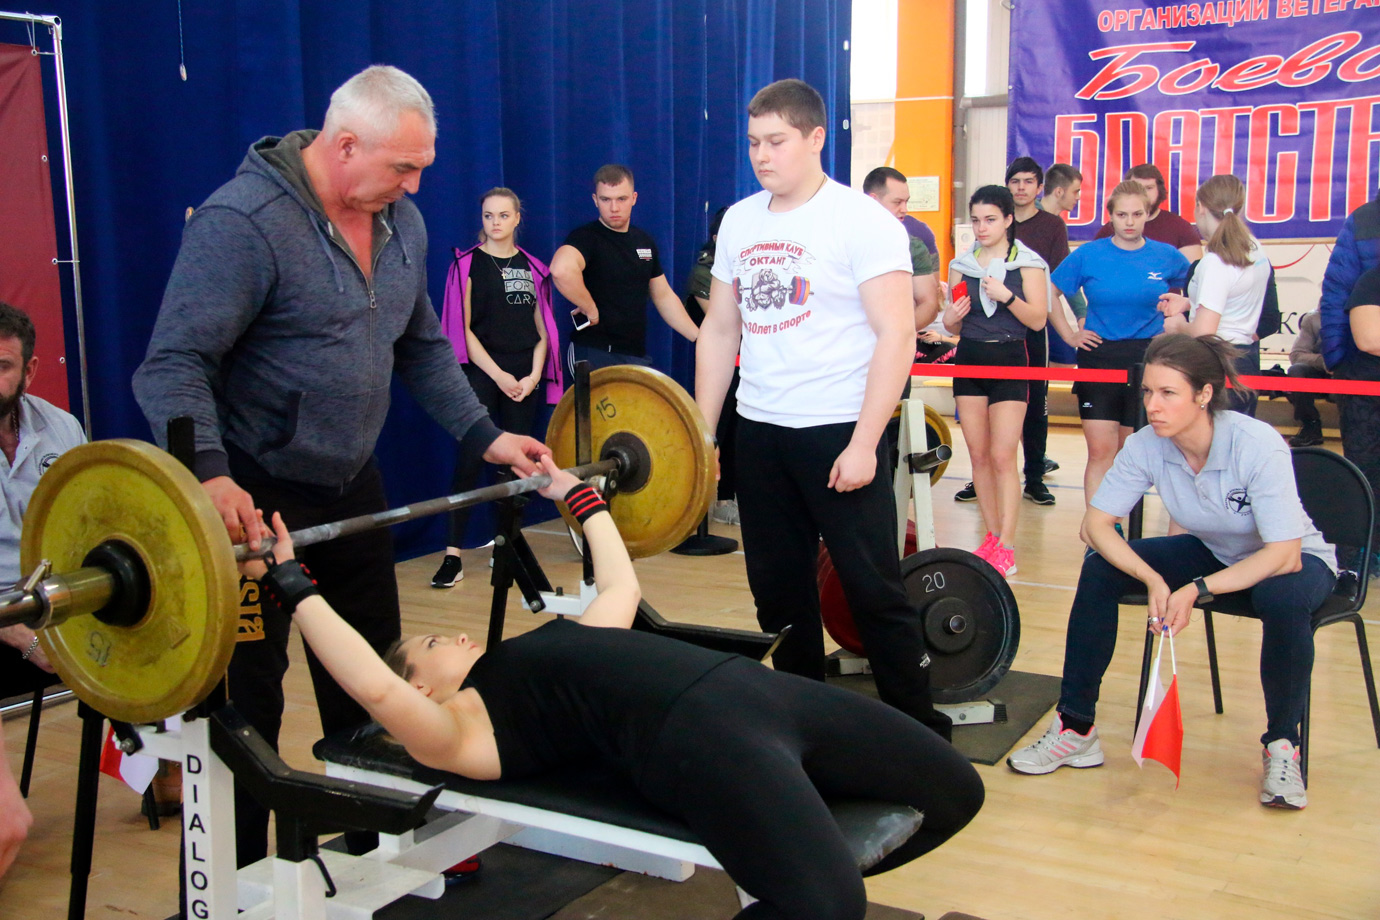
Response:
column 584, row 502
column 287, row 583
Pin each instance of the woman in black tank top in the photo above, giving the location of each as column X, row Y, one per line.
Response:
column 742, row 754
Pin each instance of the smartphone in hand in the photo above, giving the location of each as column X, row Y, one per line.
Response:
column 958, row 292
column 579, row 319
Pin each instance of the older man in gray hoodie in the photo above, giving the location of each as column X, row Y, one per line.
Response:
column 299, row 290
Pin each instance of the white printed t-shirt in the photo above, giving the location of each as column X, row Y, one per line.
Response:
column 1233, row 293
column 795, row 274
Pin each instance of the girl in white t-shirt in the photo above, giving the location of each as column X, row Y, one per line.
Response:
column 1227, row 288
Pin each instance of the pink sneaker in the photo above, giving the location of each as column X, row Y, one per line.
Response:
column 990, row 543
column 1003, row 559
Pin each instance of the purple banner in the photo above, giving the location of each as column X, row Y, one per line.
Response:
column 1282, row 93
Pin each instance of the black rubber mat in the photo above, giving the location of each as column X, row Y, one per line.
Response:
column 513, row 884
column 707, row 895
column 1028, row 698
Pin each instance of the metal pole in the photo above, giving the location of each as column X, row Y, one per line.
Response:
column 54, row 25
column 65, row 126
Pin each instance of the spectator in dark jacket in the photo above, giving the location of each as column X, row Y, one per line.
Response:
column 1357, row 249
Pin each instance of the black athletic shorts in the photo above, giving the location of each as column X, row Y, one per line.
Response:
column 1112, row 402
column 992, row 354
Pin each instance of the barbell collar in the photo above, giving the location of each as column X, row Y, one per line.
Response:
column 19, row 607
column 334, row 530
column 57, row 598
column 930, row 459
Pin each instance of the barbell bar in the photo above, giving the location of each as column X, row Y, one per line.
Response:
column 363, row 523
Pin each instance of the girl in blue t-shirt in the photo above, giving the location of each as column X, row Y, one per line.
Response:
column 1007, row 293
column 1122, row 278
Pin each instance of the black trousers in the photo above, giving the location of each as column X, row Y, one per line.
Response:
column 727, row 433
column 1360, row 419
column 1035, row 430
column 1247, row 364
column 1305, row 411
column 745, row 757
column 516, row 417
column 786, row 506
column 355, row 575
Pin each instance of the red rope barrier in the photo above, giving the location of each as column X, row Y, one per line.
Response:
column 1098, row 375
column 1299, row 259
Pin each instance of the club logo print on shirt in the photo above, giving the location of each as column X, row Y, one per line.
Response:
column 1238, row 501
column 644, row 254
column 1154, row 276
column 770, row 274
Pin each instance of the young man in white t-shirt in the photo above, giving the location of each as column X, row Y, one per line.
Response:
column 812, row 280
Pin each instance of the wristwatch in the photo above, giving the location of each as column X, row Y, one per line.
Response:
column 1205, row 596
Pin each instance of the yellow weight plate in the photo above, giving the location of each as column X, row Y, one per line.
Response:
column 639, row 405
column 172, row 658
column 936, row 433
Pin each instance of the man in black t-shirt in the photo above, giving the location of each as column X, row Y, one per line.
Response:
column 607, row 269
column 1049, row 237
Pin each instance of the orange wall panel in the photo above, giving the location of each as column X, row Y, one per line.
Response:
column 924, row 107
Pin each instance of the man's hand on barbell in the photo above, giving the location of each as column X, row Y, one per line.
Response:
column 517, row 451
column 242, row 520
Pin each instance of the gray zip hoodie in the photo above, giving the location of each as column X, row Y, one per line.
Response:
column 272, row 340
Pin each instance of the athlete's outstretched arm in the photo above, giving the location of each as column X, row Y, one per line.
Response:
column 619, row 592
column 429, row 733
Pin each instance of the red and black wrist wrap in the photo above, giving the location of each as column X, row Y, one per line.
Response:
column 584, row 501
column 287, row 583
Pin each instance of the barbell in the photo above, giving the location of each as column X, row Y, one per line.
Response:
column 134, row 588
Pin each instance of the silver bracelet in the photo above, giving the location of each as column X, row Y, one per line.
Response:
column 33, row 646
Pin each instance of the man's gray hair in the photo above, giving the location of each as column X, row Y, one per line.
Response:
column 370, row 103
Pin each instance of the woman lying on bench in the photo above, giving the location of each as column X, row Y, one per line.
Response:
column 742, row 754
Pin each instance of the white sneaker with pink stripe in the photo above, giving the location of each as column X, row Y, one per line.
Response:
column 1060, row 747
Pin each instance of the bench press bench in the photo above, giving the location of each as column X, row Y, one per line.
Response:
column 588, row 814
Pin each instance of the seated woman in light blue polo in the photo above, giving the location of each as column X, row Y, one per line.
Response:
column 1228, row 481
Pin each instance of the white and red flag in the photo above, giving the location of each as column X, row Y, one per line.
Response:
column 135, row 770
column 1160, row 735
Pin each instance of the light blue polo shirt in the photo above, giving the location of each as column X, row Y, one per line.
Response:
column 1243, row 498
column 45, row 432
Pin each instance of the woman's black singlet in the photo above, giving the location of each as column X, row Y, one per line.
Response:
column 565, row 693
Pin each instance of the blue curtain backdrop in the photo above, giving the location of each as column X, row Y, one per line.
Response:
column 529, row 94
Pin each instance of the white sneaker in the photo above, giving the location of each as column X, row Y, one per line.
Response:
column 1282, row 785
column 726, row 512
column 1060, row 747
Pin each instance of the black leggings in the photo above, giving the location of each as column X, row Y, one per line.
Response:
column 516, row 417
column 745, row 757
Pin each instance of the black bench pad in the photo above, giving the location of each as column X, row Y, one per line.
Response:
column 872, row 829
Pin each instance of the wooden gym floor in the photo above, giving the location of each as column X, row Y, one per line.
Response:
column 1113, row 842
